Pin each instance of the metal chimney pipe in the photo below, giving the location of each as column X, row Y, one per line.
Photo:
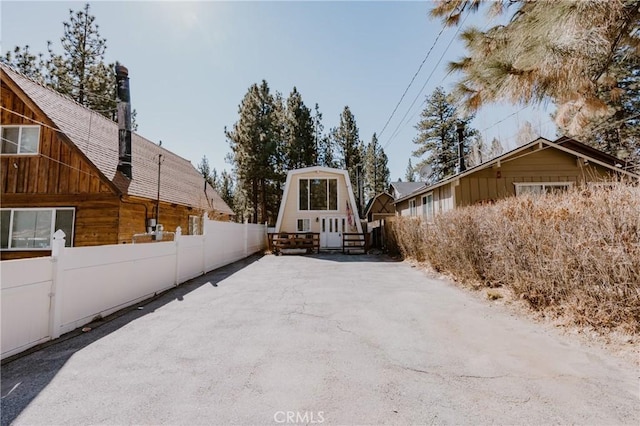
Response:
column 124, row 120
column 460, row 129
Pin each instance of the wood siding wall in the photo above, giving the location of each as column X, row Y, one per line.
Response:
column 59, row 168
column 133, row 221
column 495, row 183
column 96, row 218
column 540, row 165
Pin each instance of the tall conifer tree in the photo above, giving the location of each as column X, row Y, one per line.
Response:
column 437, row 136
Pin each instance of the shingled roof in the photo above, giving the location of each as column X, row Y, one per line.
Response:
column 97, row 137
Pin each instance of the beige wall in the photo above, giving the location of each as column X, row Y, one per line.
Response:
column 494, row 183
column 292, row 213
column 540, row 165
column 442, row 201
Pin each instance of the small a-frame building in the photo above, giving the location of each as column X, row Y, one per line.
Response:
column 319, row 200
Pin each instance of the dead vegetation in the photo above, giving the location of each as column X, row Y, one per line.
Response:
column 574, row 255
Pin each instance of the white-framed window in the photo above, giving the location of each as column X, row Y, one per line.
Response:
column 318, row 194
column 412, row 207
column 20, row 140
column 427, row 207
column 538, row 188
column 303, row 225
column 195, row 227
column 32, row 229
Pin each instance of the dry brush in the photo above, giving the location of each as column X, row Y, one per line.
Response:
column 575, row 255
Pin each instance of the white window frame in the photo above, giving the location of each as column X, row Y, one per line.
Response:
column 309, row 179
column 519, row 185
column 306, row 225
column 20, row 127
column 413, row 211
column 53, row 210
column 428, row 210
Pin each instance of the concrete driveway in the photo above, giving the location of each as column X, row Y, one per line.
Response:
column 319, row 339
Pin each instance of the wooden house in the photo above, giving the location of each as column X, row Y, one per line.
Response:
column 319, row 200
column 58, row 170
column 537, row 167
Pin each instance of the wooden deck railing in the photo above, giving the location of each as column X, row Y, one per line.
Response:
column 300, row 240
column 354, row 241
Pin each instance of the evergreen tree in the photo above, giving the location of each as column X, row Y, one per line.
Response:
column 349, row 146
column 324, row 143
column 299, row 133
column 226, row 189
column 205, row 170
column 22, row 60
column 526, row 134
column 437, row 135
column 376, row 170
column 410, row 173
column 80, row 71
column 478, row 152
column 563, row 51
column 496, row 149
column 255, row 140
column 618, row 131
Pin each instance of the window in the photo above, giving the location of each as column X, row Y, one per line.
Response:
column 412, row 208
column 304, row 225
column 194, row 225
column 20, row 139
column 32, row 229
column 318, row 194
column 427, row 207
column 541, row 187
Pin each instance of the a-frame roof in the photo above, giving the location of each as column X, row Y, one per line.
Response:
column 322, row 172
column 97, row 138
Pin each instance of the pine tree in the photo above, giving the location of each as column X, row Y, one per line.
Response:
column 80, row 71
column 410, row 173
column 526, row 134
column 376, row 170
column 226, row 189
column 437, row 136
column 205, row 170
column 495, row 150
column 563, row 51
column 255, row 140
column 324, row 143
column 299, row 133
column 349, row 146
column 22, row 60
column 478, row 152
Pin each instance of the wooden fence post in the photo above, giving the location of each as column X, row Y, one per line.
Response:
column 57, row 284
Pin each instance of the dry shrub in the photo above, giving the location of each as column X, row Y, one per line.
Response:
column 575, row 254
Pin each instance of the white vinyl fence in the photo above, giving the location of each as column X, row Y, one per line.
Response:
column 45, row 297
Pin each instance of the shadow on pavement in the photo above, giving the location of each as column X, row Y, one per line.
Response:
column 338, row 256
column 25, row 375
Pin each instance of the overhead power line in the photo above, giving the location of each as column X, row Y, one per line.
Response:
column 396, row 130
column 444, row 26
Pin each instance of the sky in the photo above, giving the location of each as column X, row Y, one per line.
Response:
column 191, row 63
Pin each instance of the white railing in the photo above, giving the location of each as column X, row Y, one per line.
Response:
column 45, row 297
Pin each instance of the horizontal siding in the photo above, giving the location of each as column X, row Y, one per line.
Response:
column 59, row 168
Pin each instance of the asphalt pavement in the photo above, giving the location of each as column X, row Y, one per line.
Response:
column 319, row 339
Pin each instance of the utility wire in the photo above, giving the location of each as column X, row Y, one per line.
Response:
column 397, row 129
column 444, row 26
